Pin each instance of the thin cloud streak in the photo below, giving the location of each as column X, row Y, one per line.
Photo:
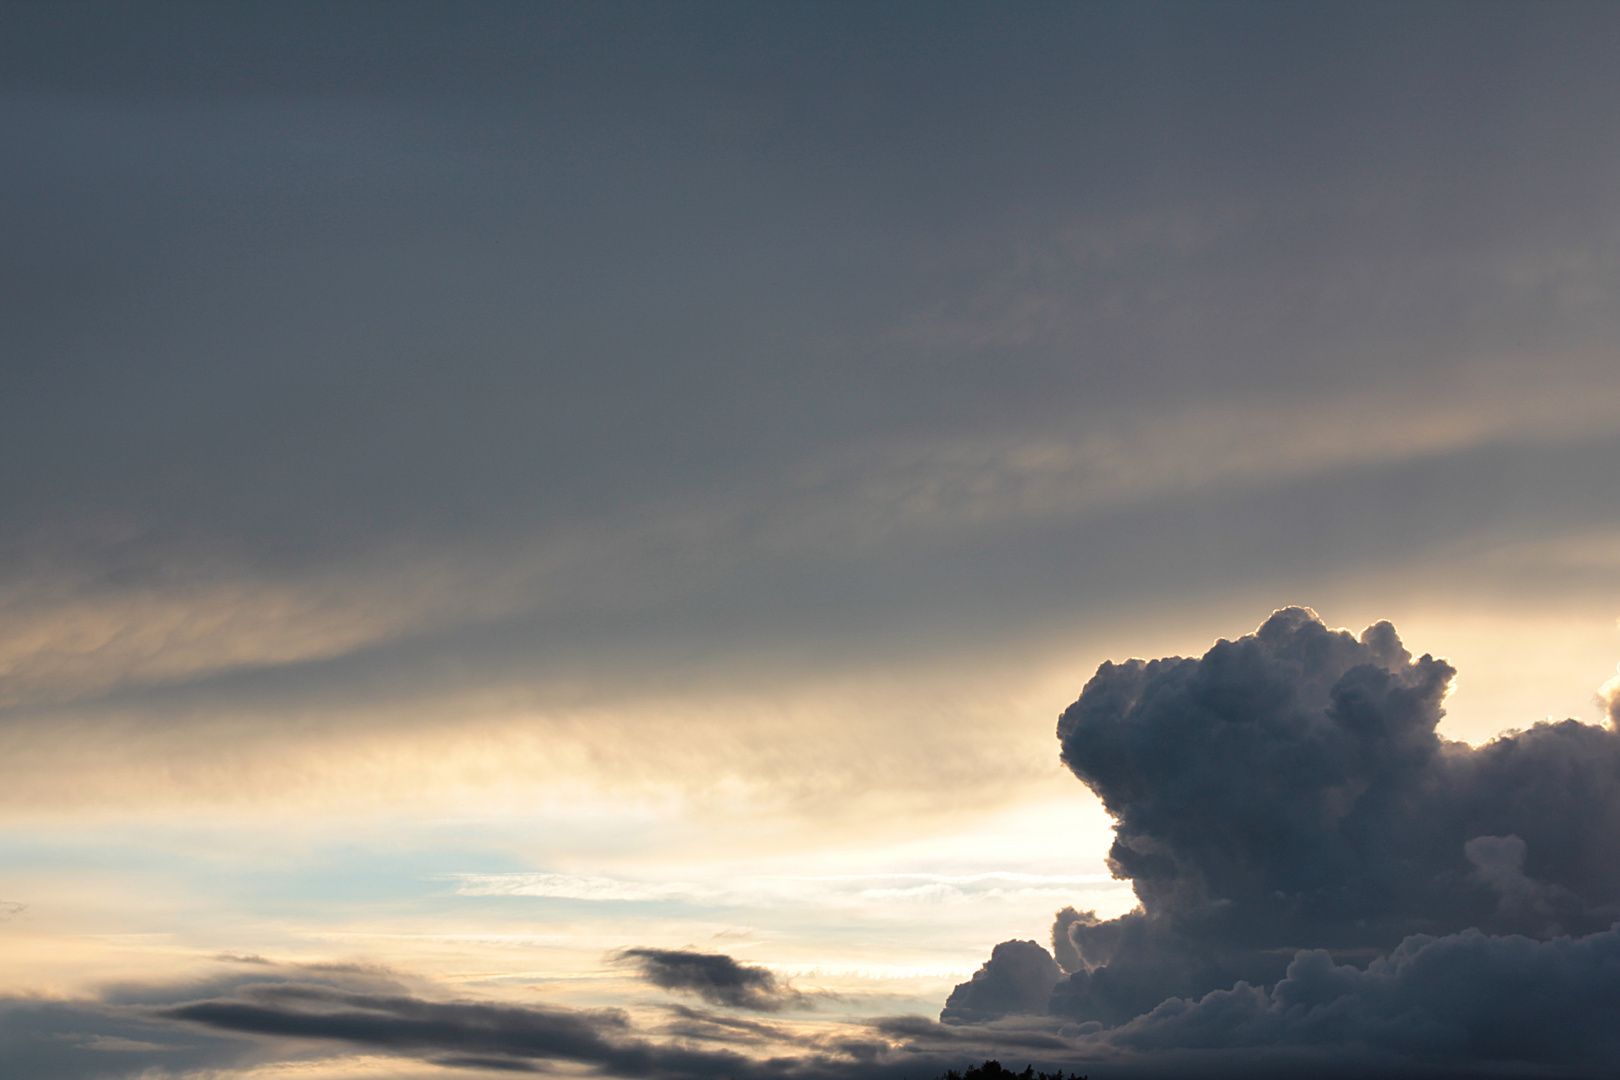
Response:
column 768, row 891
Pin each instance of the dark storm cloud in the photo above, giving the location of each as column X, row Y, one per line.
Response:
column 1467, row 996
column 1288, row 790
column 1018, row 978
column 714, row 977
column 1290, row 819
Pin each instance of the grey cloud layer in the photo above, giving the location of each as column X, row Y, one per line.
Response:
column 1290, row 819
column 292, row 296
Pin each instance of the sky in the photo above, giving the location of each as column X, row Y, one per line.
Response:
column 627, row 540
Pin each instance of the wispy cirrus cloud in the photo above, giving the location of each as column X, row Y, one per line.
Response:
column 778, row 890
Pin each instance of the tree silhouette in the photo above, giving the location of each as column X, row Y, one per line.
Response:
column 992, row 1070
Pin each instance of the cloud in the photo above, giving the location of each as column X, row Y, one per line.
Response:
column 1609, row 697
column 250, row 1011
column 405, row 1022
column 522, row 1038
column 1033, row 1035
column 828, row 890
column 580, row 887
column 87, row 1040
column 1064, row 951
column 349, row 555
column 714, row 977
column 1467, row 995
column 1018, row 978
column 718, row 1027
column 258, row 1011
column 1289, row 817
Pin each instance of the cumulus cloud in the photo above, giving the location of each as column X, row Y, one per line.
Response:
column 1018, row 978
column 714, row 977
column 1290, row 818
column 1609, row 697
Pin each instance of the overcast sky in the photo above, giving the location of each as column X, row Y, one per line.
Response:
column 490, row 486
